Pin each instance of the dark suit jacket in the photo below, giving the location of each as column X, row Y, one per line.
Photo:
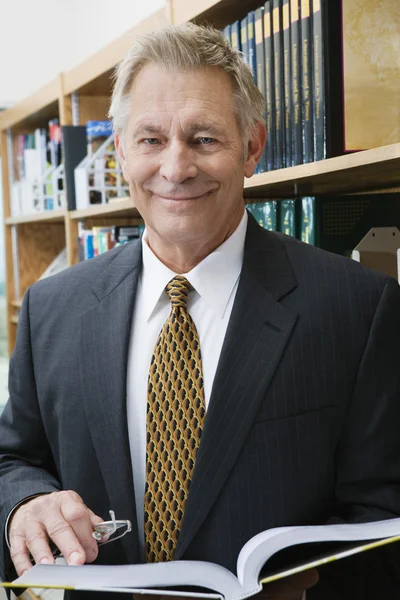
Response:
column 303, row 421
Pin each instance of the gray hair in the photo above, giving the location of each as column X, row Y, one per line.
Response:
column 188, row 47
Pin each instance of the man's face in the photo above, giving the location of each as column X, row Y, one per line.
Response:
column 182, row 154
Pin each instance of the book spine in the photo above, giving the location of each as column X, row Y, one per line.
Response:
column 259, row 35
column 244, row 41
column 251, row 40
column 235, row 36
column 287, row 70
column 278, row 72
column 271, row 221
column 297, row 146
column 318, row 87
column 287, row 217
column 306, row 81
column 308, row 220
column 270, row 87
column 227, row 33
column 74, row 148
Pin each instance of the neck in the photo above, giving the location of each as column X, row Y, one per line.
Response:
column 183, row 256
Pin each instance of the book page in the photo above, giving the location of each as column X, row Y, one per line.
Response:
column 261, row 547
column 147, row 578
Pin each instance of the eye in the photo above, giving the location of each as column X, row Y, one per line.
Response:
column 151, row 141
column 205, row 141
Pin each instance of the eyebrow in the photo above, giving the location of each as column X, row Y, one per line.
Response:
column 192, row 128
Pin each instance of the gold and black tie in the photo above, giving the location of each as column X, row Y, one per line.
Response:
column 175, row 417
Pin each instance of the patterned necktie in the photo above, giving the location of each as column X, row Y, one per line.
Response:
column 175, row 417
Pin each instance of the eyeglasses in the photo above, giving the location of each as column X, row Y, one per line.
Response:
column 104, row 532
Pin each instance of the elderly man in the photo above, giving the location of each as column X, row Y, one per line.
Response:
column 212, row 380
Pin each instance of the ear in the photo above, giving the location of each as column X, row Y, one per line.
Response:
column 255, row 148
column 120, row 148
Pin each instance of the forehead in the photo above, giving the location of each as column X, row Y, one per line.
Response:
column 207, row 92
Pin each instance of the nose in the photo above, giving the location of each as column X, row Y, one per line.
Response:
column 178, row 163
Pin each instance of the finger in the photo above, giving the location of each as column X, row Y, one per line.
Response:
column 62, row 534
column 94, row 519
column 37, row 543
column 77, row 515
column 19, row 553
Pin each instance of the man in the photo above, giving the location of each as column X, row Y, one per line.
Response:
column 288, row 414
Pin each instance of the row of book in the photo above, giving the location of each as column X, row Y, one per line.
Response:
column 334, row 223
column 97, row 240
column 38, row 177
column 294, row 49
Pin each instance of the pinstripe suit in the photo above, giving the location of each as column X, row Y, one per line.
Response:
column 302, row 422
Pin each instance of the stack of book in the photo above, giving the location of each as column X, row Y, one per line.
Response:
column 97, row 240
column 294, row 49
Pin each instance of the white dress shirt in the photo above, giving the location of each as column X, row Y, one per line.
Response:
column 214, row 281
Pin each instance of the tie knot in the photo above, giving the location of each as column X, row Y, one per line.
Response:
column 177, row 290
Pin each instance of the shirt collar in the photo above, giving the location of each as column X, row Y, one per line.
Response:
column 214, row 278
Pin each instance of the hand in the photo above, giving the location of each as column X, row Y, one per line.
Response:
column 290, row 588
column 60, row 516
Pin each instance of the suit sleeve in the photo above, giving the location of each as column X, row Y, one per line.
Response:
column 26, row 464
column 368, row 461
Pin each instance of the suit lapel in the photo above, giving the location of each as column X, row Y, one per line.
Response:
column 257, row 334
column 105, row 333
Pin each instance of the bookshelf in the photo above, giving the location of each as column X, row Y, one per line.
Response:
column 83, row 94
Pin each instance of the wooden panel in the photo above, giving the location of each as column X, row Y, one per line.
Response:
column 36, row 109
column 93, row 108
column 71, row 240
column 368, row 170
column 371, row 37
column 55, row 216
column 218, row 12
column 118, row 208
column 38, row 245
column 83, row 77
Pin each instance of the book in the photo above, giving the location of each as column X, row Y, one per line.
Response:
column 287, row 82
column 295, row 32
column 265, row 213
column 327, row 79
column 287, row 217
column 260, row 59
column 308, row 223
column 270, row 86
column 251, row 40
column 235, row 36
column 75, row 149
column 267, row 557
column 278, row 84
column 227, row 33
column 306, row 81
column 244, row 44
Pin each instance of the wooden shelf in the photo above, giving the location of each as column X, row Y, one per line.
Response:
column 92, row 77
column 218, row 12
column 16, row 303
column 368, row 170
column 118, row 208
column 38, row 108
column 14, row 320
column 50, row 216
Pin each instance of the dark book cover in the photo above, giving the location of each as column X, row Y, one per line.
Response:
column 308, row 220
column 306, row 81
column 295, row 31
column 287, row 217
column 251, row 40
column 279, row 84
column 260, row 58
column 269, row 87
column 244, row 40
column 327, row 80
column 235, row 36
column 75, row 150
column 287, row 78
column 265, row 213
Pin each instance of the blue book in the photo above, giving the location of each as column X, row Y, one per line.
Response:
column 244, row 40
column 235, row 36
column 227, row 33
column 251, row 40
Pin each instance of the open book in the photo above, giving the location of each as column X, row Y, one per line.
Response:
column 267, row 557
